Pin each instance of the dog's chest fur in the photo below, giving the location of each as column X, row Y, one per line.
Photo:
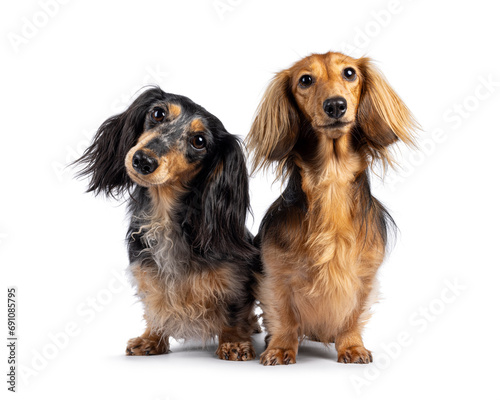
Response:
column 188, row 305
column 183, row 298
column 331, row 279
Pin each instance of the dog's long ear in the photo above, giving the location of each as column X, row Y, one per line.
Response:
column 382, row 115
column 104, row 160
column 219, row 228
column 275, row 128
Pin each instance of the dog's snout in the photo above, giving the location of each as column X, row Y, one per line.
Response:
column 143, row 163
column 335, row 107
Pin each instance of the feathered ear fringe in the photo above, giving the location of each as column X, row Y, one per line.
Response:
column 275, row 128
column 104, row 160
column 218, row 218
column 382, row 116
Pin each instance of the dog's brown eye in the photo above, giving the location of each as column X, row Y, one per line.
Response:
column 198, row 142
column 305, row 80
column 349, row 74
column 158, row 114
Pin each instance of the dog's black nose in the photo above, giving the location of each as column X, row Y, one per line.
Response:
column 143, row 163
column 335, row 107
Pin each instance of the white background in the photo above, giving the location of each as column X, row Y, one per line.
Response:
column 63, row 249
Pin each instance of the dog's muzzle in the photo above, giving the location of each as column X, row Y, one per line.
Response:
column 144, row 164
column 335, row 107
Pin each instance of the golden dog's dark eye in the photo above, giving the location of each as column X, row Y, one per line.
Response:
column 305, row 80
column 349, row 74
column 198, row 142
column 158, row 114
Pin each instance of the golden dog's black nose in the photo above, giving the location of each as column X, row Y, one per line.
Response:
column 143, row 163
column 335, row 107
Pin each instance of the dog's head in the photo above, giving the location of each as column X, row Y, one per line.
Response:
column 334, row 95
column 167, row 141
column 327, row 90
column 161, row 139
column 177, row 137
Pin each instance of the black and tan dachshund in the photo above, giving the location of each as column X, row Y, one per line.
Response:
column 191, row 256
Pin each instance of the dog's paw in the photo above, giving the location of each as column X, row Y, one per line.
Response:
column 140, row 346
column 236, row 351
column 356, row 355
column 278, row 357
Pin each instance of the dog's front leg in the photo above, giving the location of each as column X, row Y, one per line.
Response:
column 148, row 344
column 235, row 345
column 350, row 347
column 280, row 323
column 235, row 339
